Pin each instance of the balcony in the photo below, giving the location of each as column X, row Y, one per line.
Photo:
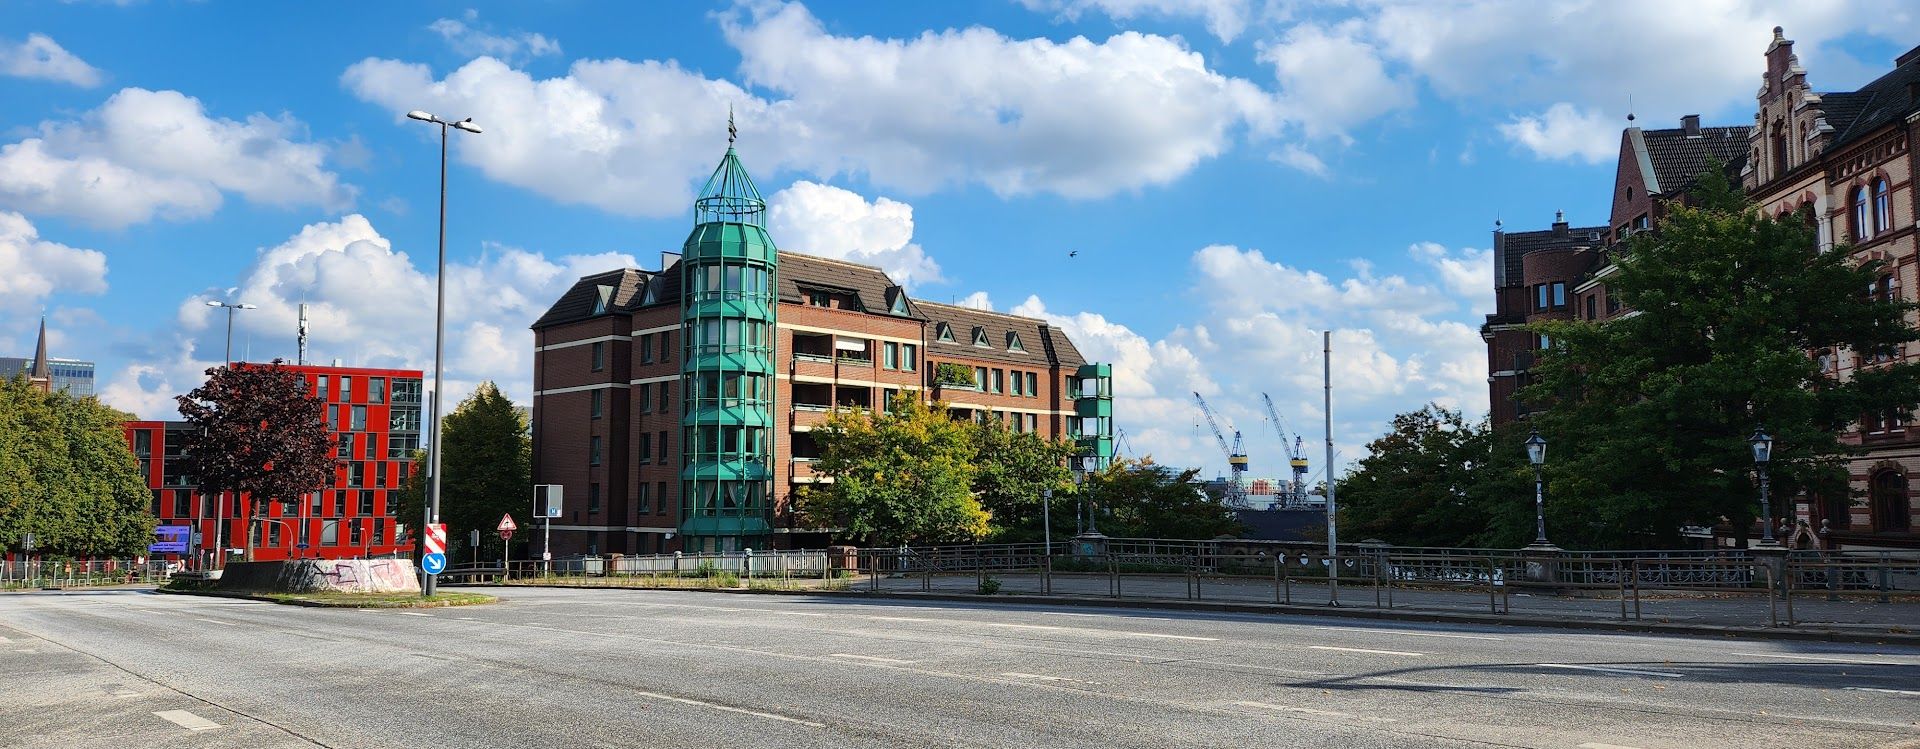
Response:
column 803, row 473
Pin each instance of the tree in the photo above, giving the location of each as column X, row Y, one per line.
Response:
column 1011, row 471
column 903, row 476
column 1144, row 499
column 487, row 469
column 260, row 432
column 67, row 477
column 1437, row 480
column 1648, row 415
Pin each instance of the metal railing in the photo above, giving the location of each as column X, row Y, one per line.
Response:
column 56, row 574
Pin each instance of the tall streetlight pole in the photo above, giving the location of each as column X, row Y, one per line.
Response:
column 1537, row 455
column 439, row 329
column 220, row 515
column 1762, row 445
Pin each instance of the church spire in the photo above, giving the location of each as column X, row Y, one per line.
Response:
column 42, row 373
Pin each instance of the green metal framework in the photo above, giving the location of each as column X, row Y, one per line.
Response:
column 1093, row 416
column 727, row 274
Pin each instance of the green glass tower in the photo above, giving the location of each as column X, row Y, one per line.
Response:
column 727, row 275
column 1093, row 404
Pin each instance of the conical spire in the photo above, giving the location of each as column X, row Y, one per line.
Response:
column 40, row 366
column 730, row 195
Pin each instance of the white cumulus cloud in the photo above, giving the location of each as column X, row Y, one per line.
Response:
column 33, row 269
column 467, row 36
column 832, row 222
column 40, row 57
column 1566, row 132
column 1225, row 19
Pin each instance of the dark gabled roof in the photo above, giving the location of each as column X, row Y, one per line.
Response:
column 1045, row 345
column 1519, row 243
column 870, row 284
column 578, row 302
column 1679, row 159
column 1856, row 114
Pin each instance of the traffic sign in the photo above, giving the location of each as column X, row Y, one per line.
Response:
column 173, row 539
column 547, row 500
column 434, row 563
column 506, row 523
column 506, row 535
column 436, row 538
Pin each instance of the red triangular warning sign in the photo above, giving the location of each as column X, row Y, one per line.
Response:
column 506, row 523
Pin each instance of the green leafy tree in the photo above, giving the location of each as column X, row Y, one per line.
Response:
column 1648, row 415
column 1143, row 499
column 260, row 430
column 67, row 476
column 902, row 476
column 1437, row 480
column 1011, row 471
column 487, row 470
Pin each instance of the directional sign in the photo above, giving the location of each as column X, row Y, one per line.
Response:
column 173, row 539
column 506, row 523
column 434, row 563
column 436, row 538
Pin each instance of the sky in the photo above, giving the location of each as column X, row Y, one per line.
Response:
column 1232, row 176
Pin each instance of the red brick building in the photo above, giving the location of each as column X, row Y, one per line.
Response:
column 375, row 416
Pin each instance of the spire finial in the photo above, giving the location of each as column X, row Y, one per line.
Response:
column 732, row 132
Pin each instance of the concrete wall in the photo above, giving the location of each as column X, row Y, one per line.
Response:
column 318, row 575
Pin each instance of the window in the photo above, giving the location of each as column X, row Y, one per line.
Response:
column 345, row 441
column 666, row 398
column 645, row 450
column 1545, row 343
column 593, row 408
column 1013, row 342
column 1033, row 385
column 318, row 500
column 980, row 378
column 646, row 348
column 359, row 418
column 1859, row 203
column 642, row 502
column 273, row 533
column 819, row 299
column 1019, row 384
column 379, row 531
column 980, row 337
column 599, row 355
column 910, row 357
column 355, row 530
column 377, row 390
column 320, row 387
column 999, row 380
column 1559, row 294
column 373, row 441
column 646, row 397
column 943, row 332
column 356, row 474
column 333, row 416
column 1891, row 508
column 660, row 496
column 1033, row 422
column 593, row 498
column 182, row 504
column 663, row 447
column 666, row 340
column 366, row 501
column 380, row 474
column 1593, row 306
column 1882, row 209
column 593, row 451
column 329, row 532
column 1539, row 296
column 1613, row 304
column 346, row 389
column 339, row 503
column 890, row 355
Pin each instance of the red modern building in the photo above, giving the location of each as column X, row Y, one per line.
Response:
column 375, row 417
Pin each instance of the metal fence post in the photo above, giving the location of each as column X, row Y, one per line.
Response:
column 1886, row 576
column 1113, row 574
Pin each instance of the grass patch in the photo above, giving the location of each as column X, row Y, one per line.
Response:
column 379, row 600
column 187, row 585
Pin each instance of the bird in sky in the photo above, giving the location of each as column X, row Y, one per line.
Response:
column 1073, row 253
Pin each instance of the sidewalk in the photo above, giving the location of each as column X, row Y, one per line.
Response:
column 1857, row 617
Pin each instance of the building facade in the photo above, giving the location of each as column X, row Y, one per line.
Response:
column 1847, row 158
column 676, row 405
column 375, row 417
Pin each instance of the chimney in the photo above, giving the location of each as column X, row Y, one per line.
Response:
column 1910, row 56
column 1560, row 223
column 1691, row 124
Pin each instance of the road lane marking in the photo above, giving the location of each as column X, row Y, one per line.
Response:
column 729, row 708
column 1606, row 669
column 1907, row 692
column 900, row 619
column 414, row 613
column 874, row 658
column 187, row 720
column 216, row 621
column 1041, row 677
column 1311, row 711
column 1363, row 650
column 1413, row 634
column 1820, row 658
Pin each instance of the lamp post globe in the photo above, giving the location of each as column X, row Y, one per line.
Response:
column 1762, row 445
column 1537, row 455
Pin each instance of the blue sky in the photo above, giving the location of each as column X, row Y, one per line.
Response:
column 1235, row 175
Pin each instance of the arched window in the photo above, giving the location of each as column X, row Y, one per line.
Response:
column 1891, row 511
column 1859, row 205
column 1882, row 207
column 1779, row 150
column 1839, row 512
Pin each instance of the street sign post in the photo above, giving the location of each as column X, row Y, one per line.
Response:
column 506, row 528
column 435, row 560
column 547, row 500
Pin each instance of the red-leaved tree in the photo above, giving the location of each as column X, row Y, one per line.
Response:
column 260, row 432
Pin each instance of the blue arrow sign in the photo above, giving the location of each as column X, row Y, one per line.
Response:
column 433, row 563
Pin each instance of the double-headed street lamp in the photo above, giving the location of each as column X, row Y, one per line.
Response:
column 230, row 307
column 439, row 327
column 1537, row 455
column 1762, row 445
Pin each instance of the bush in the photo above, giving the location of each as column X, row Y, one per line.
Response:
column 724, row 580
column 989, row 586
column 706, row 569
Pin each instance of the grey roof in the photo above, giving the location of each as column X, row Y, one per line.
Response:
column 1856, row 114
column 1519, row 243
column 875, row 290
column 1679, row 159
column 578, row 301
column 1044, row 343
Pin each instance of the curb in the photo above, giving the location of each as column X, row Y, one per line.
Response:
column 1271, row 609
column 306, row 604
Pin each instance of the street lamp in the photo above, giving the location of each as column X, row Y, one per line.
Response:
column 230, row 307
column 1762, row 455
column 1537, row 455
column 439, row 327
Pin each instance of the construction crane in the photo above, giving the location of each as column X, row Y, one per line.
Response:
column 1296, row 495
column 1236, row 457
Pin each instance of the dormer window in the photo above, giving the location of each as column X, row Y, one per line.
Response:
column 1013, row 342
column 980, row 337
column 899, row 306
column 943, row 332
column 600, row 302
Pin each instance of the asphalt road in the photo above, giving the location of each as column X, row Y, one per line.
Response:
column 575, row 668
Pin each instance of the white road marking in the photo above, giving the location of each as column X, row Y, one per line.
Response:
column 1042, row 677
column 1169, row 637
column 801, row 613
column 25, row 650
column 1363, row 650
column 899, row 619
column 874, row 658
column 1605, row 669
column 216, row 621
column 1311, row 711
column 1413, row 634
column 187, row 720
column 730, row 709
column 1907, row 692
column 4, row 639
column 414, row 613
column 1598, row 745
column 1069, row 613
column 1820, row 658
column 116, row 690
column 366, row 609
column 469, row 618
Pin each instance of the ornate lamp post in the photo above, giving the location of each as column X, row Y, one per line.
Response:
column 1762, row 445
column 1537, row 455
